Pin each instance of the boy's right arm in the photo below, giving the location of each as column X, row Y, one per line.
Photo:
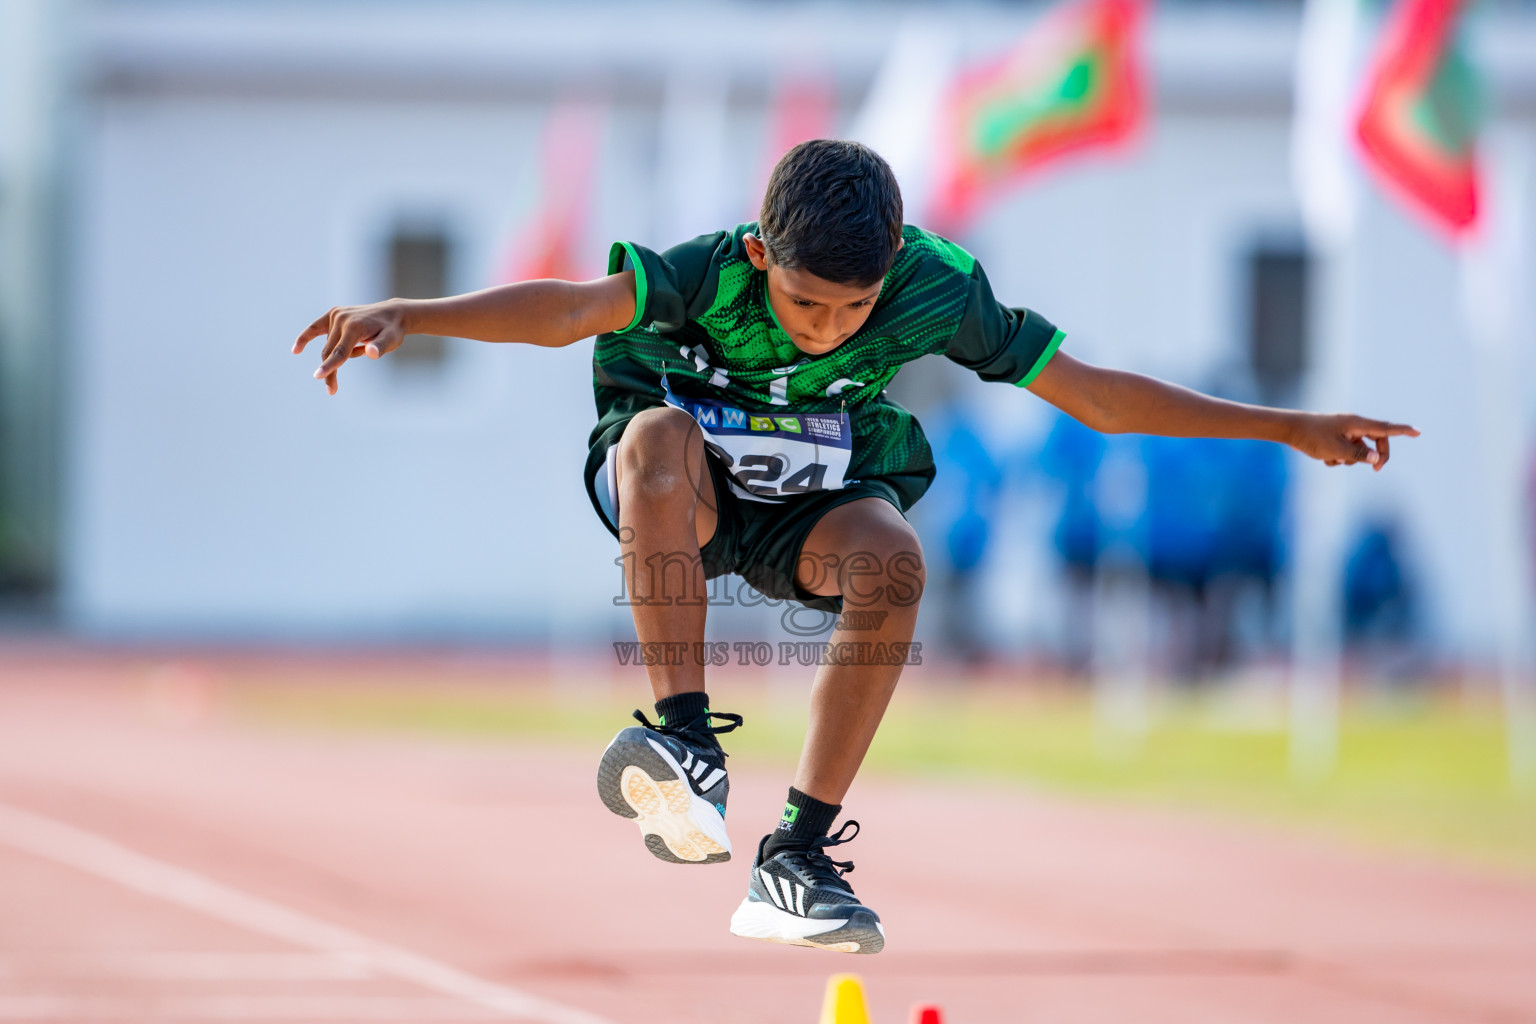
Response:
column 548, row 313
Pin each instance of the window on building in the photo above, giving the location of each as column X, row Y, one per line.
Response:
column 1278, row 318
column 419, row 268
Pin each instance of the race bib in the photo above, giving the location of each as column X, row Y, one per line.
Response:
column 773, row 456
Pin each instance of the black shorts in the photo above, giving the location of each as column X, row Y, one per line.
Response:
column 760, row 541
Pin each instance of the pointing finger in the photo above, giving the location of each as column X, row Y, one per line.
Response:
column 1379, row 428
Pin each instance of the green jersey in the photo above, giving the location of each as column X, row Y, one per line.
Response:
column 705, row 338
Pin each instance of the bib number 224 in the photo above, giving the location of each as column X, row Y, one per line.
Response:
column 774, row 456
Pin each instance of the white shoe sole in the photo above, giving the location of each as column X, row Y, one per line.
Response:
column 677, row 825
column 755, row 919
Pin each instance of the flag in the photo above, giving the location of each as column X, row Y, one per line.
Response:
column 1418, row 125
column 1072, row 83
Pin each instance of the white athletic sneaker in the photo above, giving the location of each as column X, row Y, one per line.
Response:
column 800, row 898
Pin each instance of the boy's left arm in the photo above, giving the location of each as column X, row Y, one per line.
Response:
column 1116, row 402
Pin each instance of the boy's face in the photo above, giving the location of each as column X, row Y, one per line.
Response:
column 818, row 314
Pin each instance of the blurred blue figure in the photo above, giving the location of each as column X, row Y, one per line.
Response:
column 1214, row 527
column 1251, row 551
column 1185, row 492
column 972, row 478
column 1381, row 605
column 1251, row 542
column 1072, row 455
column 966, row 539
column 1378, row 599
column 1181, row 526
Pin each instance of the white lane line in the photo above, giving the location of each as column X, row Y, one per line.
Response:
column 76, row 848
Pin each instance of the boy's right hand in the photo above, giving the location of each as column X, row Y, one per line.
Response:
column 374, row 330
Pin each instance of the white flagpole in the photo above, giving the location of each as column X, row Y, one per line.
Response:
column 1327, row 190
column 692, row 168
column 1493, row 272
column 900, row 119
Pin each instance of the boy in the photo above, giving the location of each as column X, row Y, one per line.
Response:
column 743, row 427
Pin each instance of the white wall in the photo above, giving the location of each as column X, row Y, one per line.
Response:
column 215, row 486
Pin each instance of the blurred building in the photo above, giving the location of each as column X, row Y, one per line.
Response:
column 233, row 169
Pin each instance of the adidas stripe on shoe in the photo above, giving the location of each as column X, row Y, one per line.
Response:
column 671, row 781
column 800, row 898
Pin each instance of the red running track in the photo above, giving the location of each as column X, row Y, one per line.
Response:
column 223, row 873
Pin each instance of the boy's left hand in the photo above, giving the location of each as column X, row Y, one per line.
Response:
column 1340, row 439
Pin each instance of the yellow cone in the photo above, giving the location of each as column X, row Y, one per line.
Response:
column 844, row 1003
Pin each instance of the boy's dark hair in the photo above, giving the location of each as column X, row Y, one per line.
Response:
column 833, row 208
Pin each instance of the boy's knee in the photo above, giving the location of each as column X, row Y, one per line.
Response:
column 658, row 454
column 662, row 426
column 888, row 568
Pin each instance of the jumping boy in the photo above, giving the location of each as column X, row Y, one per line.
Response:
column 743, row 427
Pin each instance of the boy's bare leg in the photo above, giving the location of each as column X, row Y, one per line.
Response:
column 666, row 515
column 866, row 551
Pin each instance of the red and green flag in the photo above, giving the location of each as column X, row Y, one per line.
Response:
column 1073, row 83
column 1422, row 109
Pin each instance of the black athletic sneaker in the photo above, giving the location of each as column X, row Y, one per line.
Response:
column 801, row 899
column 671, row 780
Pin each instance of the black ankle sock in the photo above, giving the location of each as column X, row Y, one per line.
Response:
column 682, row 708
column 805, row 819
